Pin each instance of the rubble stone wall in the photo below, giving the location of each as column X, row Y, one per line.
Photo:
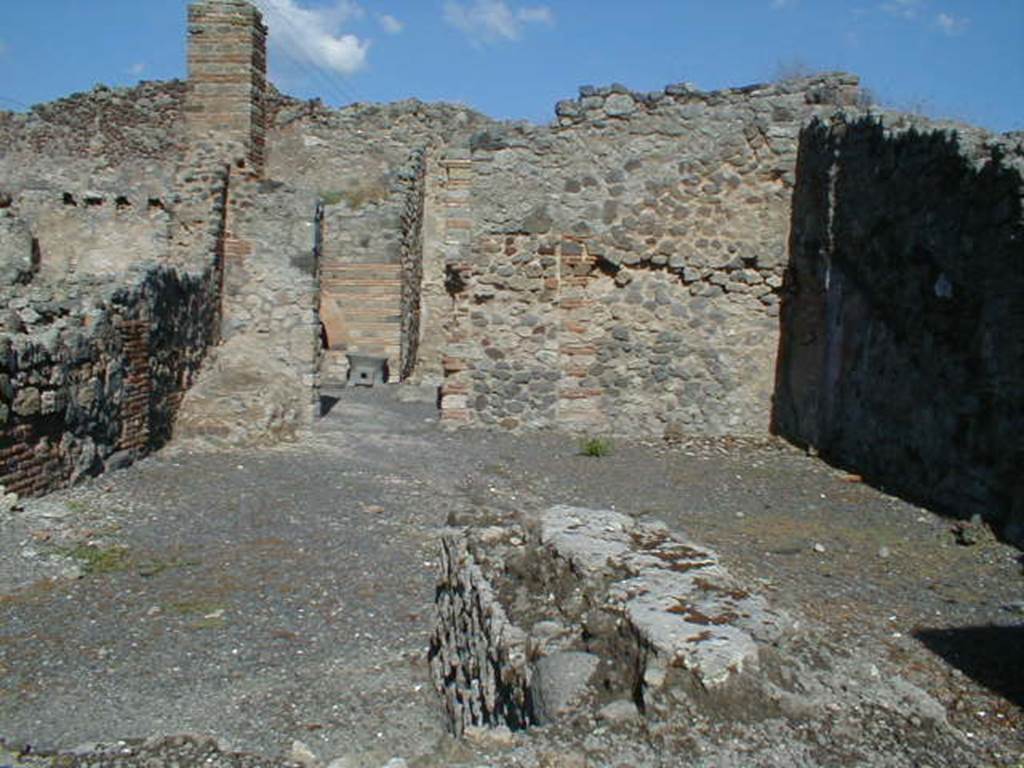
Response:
column 624, row 268
column 125, row 137
column 271, row 284
column 902, row 353
column 357, row 151
column 413, row 183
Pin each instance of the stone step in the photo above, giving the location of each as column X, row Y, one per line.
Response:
column 353, row 288
column 369, row 314
column 362, row 277
column 363, row 336
column 390, row 331
column 372, row 348
column 377, row 331
column 361, row 271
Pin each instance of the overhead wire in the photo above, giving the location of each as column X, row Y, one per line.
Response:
column 17, row 103
column 308, row 64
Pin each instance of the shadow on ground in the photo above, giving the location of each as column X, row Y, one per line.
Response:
column 989, row 655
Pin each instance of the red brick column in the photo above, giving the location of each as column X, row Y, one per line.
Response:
column 227, row 73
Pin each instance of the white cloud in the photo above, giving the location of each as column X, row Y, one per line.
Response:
column 315, row 36
column 905, row 9
column 950, row 24
column 390, row 24
column 778, row 5
column 541, row 14
column 488, row 21
column 137, row 68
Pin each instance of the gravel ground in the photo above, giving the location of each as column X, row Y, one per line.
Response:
column 265, row 597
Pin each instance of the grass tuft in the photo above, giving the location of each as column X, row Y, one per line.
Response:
column 596, row 447
column 98, row 560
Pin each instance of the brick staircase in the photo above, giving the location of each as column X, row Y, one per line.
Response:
column 362, row 309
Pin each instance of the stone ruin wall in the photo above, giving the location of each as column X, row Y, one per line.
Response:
column 368, row 162
column 902, row 351
column 95, row 232
column 93, row 372
column 116, row 226
column 90, row 177
column 622, row 271
column 357, row 152
column 411, row 253
column 637, row 268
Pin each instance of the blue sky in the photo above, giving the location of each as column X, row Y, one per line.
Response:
column 515, row 58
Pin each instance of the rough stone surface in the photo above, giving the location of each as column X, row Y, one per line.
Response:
column 17, row 254
column 659, row 615
column 560, row 682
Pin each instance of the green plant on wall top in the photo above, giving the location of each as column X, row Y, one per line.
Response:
column 373, row 191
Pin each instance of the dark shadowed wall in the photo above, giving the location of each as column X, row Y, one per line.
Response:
column 902, row 345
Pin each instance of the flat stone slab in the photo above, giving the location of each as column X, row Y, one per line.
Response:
column 674, row 592
column 539, row 618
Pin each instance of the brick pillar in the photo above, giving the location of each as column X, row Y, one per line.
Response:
column 227, row 74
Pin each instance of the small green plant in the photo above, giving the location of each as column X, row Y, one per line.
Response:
column 332, row 198
column 596, row 447
column 77, row 507
column 371, row 191
column 97, row 560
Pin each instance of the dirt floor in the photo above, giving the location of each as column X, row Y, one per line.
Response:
column 279, row 601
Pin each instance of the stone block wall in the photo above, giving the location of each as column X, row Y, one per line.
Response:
column 227, row 71
column 624, row 269
column 902, row 351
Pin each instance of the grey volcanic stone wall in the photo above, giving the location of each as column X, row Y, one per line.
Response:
column 624, row 268
column 19, row 250
column 359, row 148
column 902, row 351
column 99, row 385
